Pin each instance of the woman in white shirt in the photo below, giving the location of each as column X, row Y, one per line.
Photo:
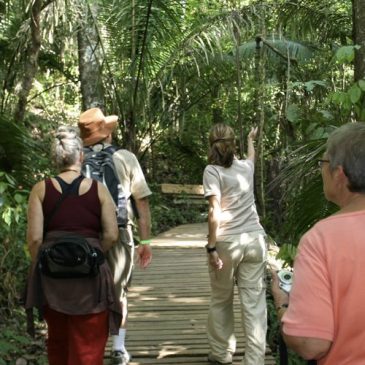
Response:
column 236, row 249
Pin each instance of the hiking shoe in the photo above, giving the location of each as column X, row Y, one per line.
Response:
column 213, row 360
column 120, row 358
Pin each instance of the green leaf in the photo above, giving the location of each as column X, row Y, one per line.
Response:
column 3, row 187
column 311, row 128
column 345, row 54
column 362, row 114
column 6, row 347
column 7, row 216
column 287, row 253
column 362, row 84
column 357, row 109
column 326, row 114
column 354, row 93
column 10, row 179
column 318, row 133
column 339, row 97
column 310, row 85
column 23, row 340
column 347, row 104
column 293, row 113
column 18, row 198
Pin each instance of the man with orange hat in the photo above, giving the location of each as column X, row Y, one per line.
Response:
column 96, row 132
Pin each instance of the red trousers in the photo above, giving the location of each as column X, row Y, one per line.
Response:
column 76, row 339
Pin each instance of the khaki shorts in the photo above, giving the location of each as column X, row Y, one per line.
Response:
column 120, row 258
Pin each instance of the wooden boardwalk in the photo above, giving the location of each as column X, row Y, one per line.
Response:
column 168, row 303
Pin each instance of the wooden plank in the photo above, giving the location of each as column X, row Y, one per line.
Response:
column 182, row 189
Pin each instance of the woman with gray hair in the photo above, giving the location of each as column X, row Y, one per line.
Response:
column 79, row 311
column 236, row 249
column 324, row 316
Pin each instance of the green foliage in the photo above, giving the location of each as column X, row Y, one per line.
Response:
column 10, row 344
column 293, row 113
column 287, row 253
column 13, row 260
column 188, row 162
column 166, row 214
column 16, row 344
column 346, row 54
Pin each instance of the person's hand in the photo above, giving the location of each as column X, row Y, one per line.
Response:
column 253, row 133
column 280, row 296
column 215, row 260
column 144, row 255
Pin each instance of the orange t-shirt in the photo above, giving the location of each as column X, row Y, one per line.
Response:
column 327, row 300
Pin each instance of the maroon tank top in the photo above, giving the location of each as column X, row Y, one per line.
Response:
column 77, row 213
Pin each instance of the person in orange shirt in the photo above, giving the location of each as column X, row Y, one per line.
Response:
column 323, row 318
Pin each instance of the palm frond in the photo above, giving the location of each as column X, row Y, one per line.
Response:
column 280, row 50
column 301, row 183
column 321, row 20
column 18, row 150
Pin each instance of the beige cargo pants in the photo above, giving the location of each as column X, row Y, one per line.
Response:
column 244, row 261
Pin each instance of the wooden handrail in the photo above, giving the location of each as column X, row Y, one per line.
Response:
column 182, row 189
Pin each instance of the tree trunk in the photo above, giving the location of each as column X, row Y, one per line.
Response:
column 128, row 131
column 90, row 61
column 237, row 39
column 358, row 30
column 217, row 113
column 31, row 61
column 359, row 37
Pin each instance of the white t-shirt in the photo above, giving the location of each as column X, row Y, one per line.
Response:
column 131, row 177
column 233, row 187
column 130, row 174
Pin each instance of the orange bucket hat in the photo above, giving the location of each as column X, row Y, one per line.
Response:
column 95, row 126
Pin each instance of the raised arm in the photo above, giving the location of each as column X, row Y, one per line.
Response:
column 250, row 146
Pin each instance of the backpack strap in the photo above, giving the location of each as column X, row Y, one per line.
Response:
column 111, row 149
column 101, row 147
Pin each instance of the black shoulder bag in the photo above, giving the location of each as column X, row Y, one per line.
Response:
column 70, row 256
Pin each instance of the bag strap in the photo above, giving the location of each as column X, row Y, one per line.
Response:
column 102, row 147
column 111, row 149
column 67, row 189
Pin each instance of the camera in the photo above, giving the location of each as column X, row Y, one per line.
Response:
column 285, row 280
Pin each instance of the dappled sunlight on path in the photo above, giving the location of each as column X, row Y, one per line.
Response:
column 168, row 303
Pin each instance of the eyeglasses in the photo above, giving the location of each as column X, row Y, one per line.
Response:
column 321, row 162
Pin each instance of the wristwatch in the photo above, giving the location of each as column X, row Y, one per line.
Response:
column 210, row 249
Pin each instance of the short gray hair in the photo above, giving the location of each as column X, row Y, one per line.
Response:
column 67, row 147
column 346, row 148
